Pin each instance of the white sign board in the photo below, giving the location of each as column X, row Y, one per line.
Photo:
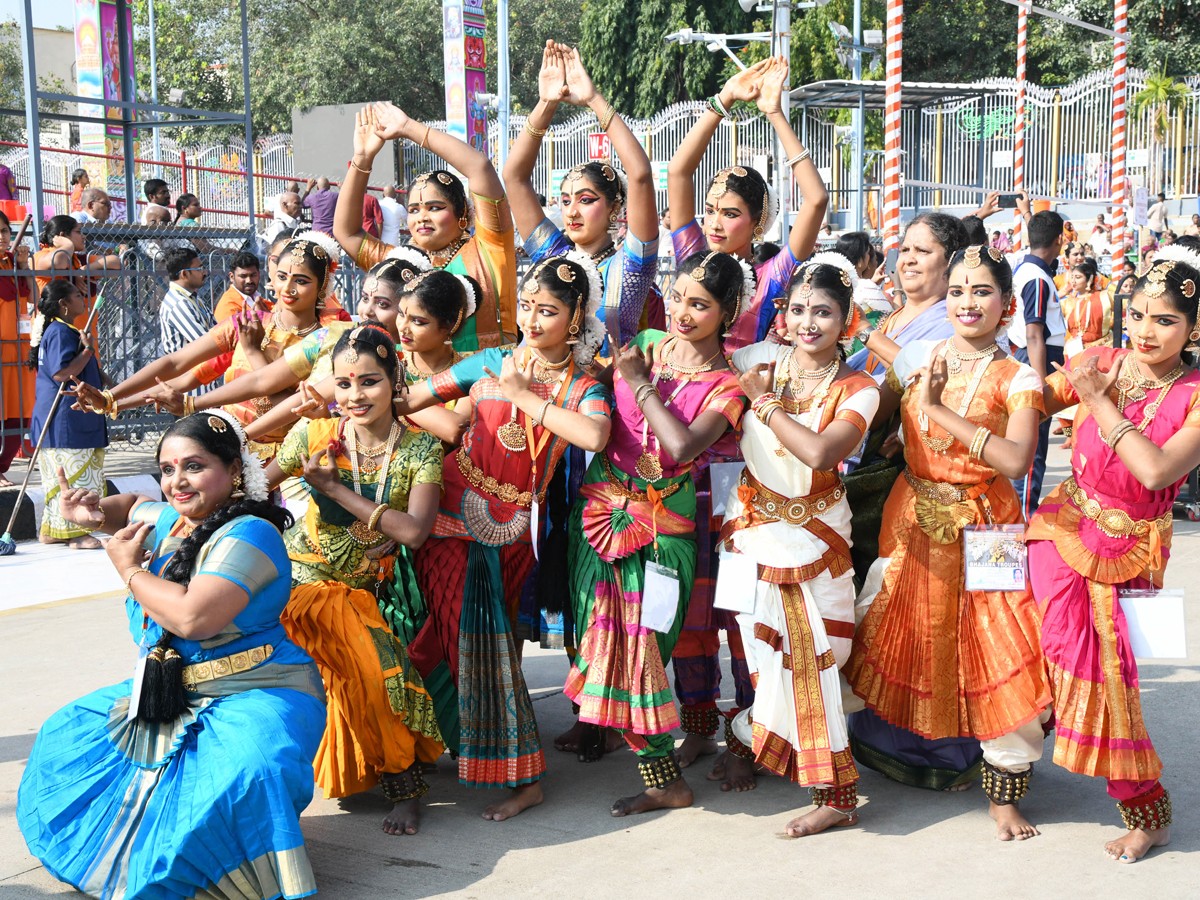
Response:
column 1141, row 202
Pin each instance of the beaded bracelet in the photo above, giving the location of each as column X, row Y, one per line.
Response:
column 373, row 522
column 977, row 442
column 134, row 572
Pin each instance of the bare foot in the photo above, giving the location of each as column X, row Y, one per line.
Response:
column 522, row 798
column 404, row 818
column 568, row 741
column 717, row 772
column 818, row 820
column 1010, row 824
column 739, row 774
column 1133, row 845
column 956, row 788
column 693, row 747
column 676, row 795
column 5, row 483
column 84, row 543
column 46, row 539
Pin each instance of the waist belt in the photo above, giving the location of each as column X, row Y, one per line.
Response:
column 621, row 486
column 501, row 490
column 763, row 506
column 1116, row 523
column 943, row 492
column 197, row 673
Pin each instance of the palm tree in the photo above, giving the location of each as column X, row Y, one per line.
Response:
column 1162, row 97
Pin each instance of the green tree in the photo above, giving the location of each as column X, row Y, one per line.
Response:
column 12, row 84
column 1162, row 98
column 531, row 23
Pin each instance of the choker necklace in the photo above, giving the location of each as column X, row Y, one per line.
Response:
column 274, row 326
column 955, row 357
column 672, row 370
column 942, row 444
column 544, row 371
column 604, row 254
column 442, row 258
column 798, row 374
column 410, row 365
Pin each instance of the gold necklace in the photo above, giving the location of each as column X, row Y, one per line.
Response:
column 410, row 364
column 274, row 326
column 941, row 445
column 442, row 258
column 364, row 456
column 671, row 370
column 811, row 418
column 1133, row 385
column 955, row 357
column 544, row 371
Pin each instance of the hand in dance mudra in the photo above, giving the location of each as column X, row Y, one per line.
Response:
column 931, row 381
column 580, row 90
column 634, row 364
column 1090, row 381
column 250, row 328
column 321, row 477
column 390, row 121
column 165, row 397
column 769, row 95
column 515, row 378
column 87, row 398
column 367, row 141
column 757, row 380
column 747, row 84
column 79, row 506
column 126, row 549
column 552, row 79
column 312, row 405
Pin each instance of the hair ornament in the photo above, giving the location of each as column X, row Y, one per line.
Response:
column 472, row 300
column 325, row 249
column 254, row 479
column 849, row 277
column 749, row 282
column 698, row 273
column 973, row 255
column 720, row 183
column 217, row 424
column 410, row 255
column 589, row 331
column 1176, row 253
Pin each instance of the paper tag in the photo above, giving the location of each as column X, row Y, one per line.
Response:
column 1155, row 621
column 534, row 514
column 139, row 676
column 737, row 582
column 660, row 597
column 24, row 324
column 994, row 557
column 723, row 477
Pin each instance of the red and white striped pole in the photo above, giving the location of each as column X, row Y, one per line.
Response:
column 1117, row 176
column 891, row 125
column 1019, row 122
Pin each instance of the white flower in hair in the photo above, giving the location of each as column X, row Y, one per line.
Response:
column 254, row 478
column 469, row 290
column 595, row 286
column 837, row 260
column 412, row 256
column 749, row 281
column 591, row 339
column 322, row 240
column 1176, row 253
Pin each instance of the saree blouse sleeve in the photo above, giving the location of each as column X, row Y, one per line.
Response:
column 688, row 240
column 638, row 270
column 225, row 333
column 1192, row 418
column 596, row 401
column 726, row 399
column 239, row 554
column 858, row 407
column 371, row 252
column 456, row 381
column 1025, row 391
column 427, row 460
column 297, row 444
column 545, row 240
column 772, row 277
column 301, row 358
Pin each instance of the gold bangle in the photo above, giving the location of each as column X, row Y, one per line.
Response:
column 536, row 132
column 373, row 522
column 606, row 119
column 134, row 572
column 355, row 165
column 978, row 442
column 764, row 411
column 425, row 137
column 643, row 394
column 189, row 405
column 99, row 526
column 1119, row 431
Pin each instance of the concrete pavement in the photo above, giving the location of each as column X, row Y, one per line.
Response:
column 910, row 843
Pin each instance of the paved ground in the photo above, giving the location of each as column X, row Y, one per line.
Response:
column 911, row 843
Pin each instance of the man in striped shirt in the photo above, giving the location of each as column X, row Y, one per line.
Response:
column 182, row 316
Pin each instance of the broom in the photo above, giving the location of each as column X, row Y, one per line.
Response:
column 7, row 545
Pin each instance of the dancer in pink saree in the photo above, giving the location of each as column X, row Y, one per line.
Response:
column 1108, row 528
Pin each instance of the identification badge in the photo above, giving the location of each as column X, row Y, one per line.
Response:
column 723, row 476
column 534, row 515
column 737, row 582
column 24, row 324
column 994, row 557
column 139, row 676
column 660, row 597
column 1155, row 621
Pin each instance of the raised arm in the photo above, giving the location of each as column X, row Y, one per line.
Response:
column 810, row 215
column 641, row 209
column 482, row 179
column 518, row 171
column 681, row 171
column 348, row 213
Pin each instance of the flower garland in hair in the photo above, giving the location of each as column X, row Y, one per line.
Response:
column 591, row 329
column 331, row 247
column 469, row 290
column 749, row 283
column 1176, row 253
column 411, row 255
column 254, row 478
column 837, row 260
column 772, row 201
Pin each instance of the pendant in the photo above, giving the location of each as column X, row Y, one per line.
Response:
column 648, row 467
column 368, row 465
column 512, row 436
column 953, row 364
column 363, row 535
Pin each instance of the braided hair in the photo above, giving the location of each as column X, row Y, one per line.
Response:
column 49, row 305
column 162, row 698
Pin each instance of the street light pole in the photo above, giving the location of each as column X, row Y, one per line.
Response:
column 154, row 91
column 858, row 120
column 782, row 33
column 503, row 89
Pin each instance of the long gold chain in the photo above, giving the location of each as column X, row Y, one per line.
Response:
column 941, row 445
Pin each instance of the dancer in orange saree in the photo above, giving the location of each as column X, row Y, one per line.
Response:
column 930, row 656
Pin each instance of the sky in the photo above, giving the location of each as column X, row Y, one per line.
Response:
column 46, row 13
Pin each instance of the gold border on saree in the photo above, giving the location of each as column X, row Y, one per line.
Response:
column 197, row 673
column 1116, row 523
